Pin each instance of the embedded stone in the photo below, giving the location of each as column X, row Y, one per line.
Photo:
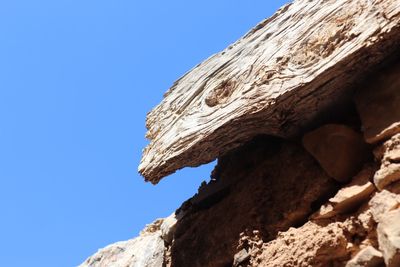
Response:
column 240, row 257
column 340, row 150
column 350, row 196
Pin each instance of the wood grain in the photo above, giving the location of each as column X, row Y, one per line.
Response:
column 274, row 80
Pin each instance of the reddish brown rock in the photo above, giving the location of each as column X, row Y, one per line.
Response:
column 263, row 194
column 350, row 196
column 340, row 150
column 379, row 105
column 310, row 245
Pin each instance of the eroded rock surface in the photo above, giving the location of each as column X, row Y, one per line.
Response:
column 309, row 245
column 264, row 194
column 147, row 250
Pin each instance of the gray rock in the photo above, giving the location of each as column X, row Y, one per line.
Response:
column 147, row 250
column 240, row 257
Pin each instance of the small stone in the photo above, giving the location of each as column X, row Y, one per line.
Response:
column 240, row 257
column 389, row 154
column 325, row 211
column 389, row 237
column 350, row 196
column 367, row 257
column 356, row 192
column 378, row 106
column 340, row 150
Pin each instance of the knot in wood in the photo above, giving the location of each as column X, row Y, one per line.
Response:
column 221, row 93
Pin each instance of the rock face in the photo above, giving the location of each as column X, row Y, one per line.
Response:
column 307, row 136
column 263, row 195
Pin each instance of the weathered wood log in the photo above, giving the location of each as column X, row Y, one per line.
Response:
column 274, row 80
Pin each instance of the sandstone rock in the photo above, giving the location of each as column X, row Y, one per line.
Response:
column 350, row 196
column 389, row 237
column 147, row 250
column 378, row 105
column 309, row 245
column 143, row 251
column 265, row 194
column 382, row 202
column 339, row 149
column 168, row 228
column 367, row 257
column 211, row 193
column 389, row 154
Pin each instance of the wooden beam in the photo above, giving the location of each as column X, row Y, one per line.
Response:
column 274, row 80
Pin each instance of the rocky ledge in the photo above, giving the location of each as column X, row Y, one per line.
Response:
column 320, row 188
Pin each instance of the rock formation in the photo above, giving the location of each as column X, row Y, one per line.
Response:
column 306, row 131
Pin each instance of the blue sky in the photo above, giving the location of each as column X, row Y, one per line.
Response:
column 77, row 78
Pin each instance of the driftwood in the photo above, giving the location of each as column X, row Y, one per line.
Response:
column 274, row 80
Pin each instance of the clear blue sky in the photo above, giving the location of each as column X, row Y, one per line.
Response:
column 77, row 78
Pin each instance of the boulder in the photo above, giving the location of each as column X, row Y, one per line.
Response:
column 340, row 150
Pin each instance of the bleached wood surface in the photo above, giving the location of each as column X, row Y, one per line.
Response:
column 274, row 80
